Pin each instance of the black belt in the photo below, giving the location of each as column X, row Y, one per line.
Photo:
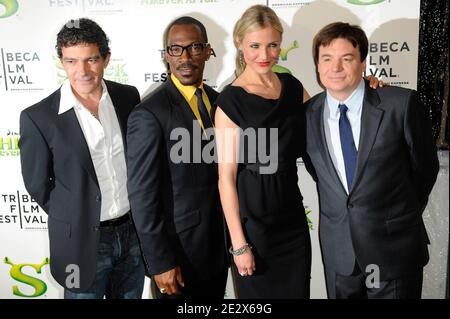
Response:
column 116, row 221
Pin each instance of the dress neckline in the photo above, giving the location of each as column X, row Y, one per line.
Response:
column 262, row 97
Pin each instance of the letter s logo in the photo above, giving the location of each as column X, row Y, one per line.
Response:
column 11, row 7
column 16, row 273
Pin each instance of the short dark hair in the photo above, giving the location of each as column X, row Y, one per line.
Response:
column 185, row 20
column 82, row 31
column 341, row 30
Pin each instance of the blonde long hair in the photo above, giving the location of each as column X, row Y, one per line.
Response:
column 254, row 18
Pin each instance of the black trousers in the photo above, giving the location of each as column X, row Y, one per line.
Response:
column 354, row 286
column 213, row 289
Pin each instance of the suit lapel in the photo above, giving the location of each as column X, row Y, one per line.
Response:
column 69, row 128
column 318, row 127
column 371, row 117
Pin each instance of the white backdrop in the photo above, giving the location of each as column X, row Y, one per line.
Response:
column 30, row 70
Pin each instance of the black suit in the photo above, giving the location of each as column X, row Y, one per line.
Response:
column 176, row 207
column 59, row 174
column 380, row 220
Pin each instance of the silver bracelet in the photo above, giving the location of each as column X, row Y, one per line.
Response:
column 241, row 250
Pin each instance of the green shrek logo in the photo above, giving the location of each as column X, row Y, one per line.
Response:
column 114, row 72
column 9, row 6
column 16, row 273
column 308, row 220
column 364, row 2
column 283, row 55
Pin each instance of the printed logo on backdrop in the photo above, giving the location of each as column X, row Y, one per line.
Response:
column 278, row 4
column 154, row 76
column 18, row 70
column 8, row 8
column 38, row 285
column 177, row 2
column 9, row 144
column 88, row 6
column 115, row 71
column 365, row 2
column 385, row 62
column 308, row 220
column 283, row 56
column 18, row 209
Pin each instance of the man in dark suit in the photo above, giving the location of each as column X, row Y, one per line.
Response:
column 375, row 164
column 173, row 190
column 73, row 163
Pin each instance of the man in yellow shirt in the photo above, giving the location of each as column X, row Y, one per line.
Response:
column 175, row 203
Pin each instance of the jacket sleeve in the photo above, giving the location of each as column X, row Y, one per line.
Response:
column 36, row 161
column 137, row 97
column 422, row 148
column 145, row 154
column 309, row 166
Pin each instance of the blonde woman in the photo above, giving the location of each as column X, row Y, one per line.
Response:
column 260, row 124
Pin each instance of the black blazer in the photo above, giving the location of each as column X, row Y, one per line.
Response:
column 380, row 221
column 58, row 173
column 176, row 207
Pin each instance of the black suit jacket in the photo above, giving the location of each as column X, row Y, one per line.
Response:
column 59, row 174
column 380, row 221
column 176, row 207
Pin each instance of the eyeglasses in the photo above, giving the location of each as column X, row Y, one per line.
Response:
column 193, row 49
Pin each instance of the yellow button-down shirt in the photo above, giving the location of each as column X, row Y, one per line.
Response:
column 188, row 92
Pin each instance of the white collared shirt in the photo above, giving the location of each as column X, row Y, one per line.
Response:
column 331, row 117
column 105, row 143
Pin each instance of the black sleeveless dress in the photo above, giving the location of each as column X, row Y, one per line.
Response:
column 270, row 202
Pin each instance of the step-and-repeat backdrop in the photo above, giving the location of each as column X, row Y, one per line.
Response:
column 30, row 70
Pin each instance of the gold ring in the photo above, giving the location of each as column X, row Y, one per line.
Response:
column 162, row 290
column 243, row 273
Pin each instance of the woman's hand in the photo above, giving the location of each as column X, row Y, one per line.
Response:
column 245, row 263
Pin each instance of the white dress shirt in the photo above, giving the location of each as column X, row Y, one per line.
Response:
column 331, row 117
column 105, row 143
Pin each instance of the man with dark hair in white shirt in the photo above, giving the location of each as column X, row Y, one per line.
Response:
column 73, row 164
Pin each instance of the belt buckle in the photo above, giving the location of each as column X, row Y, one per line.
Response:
column 116, row 221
